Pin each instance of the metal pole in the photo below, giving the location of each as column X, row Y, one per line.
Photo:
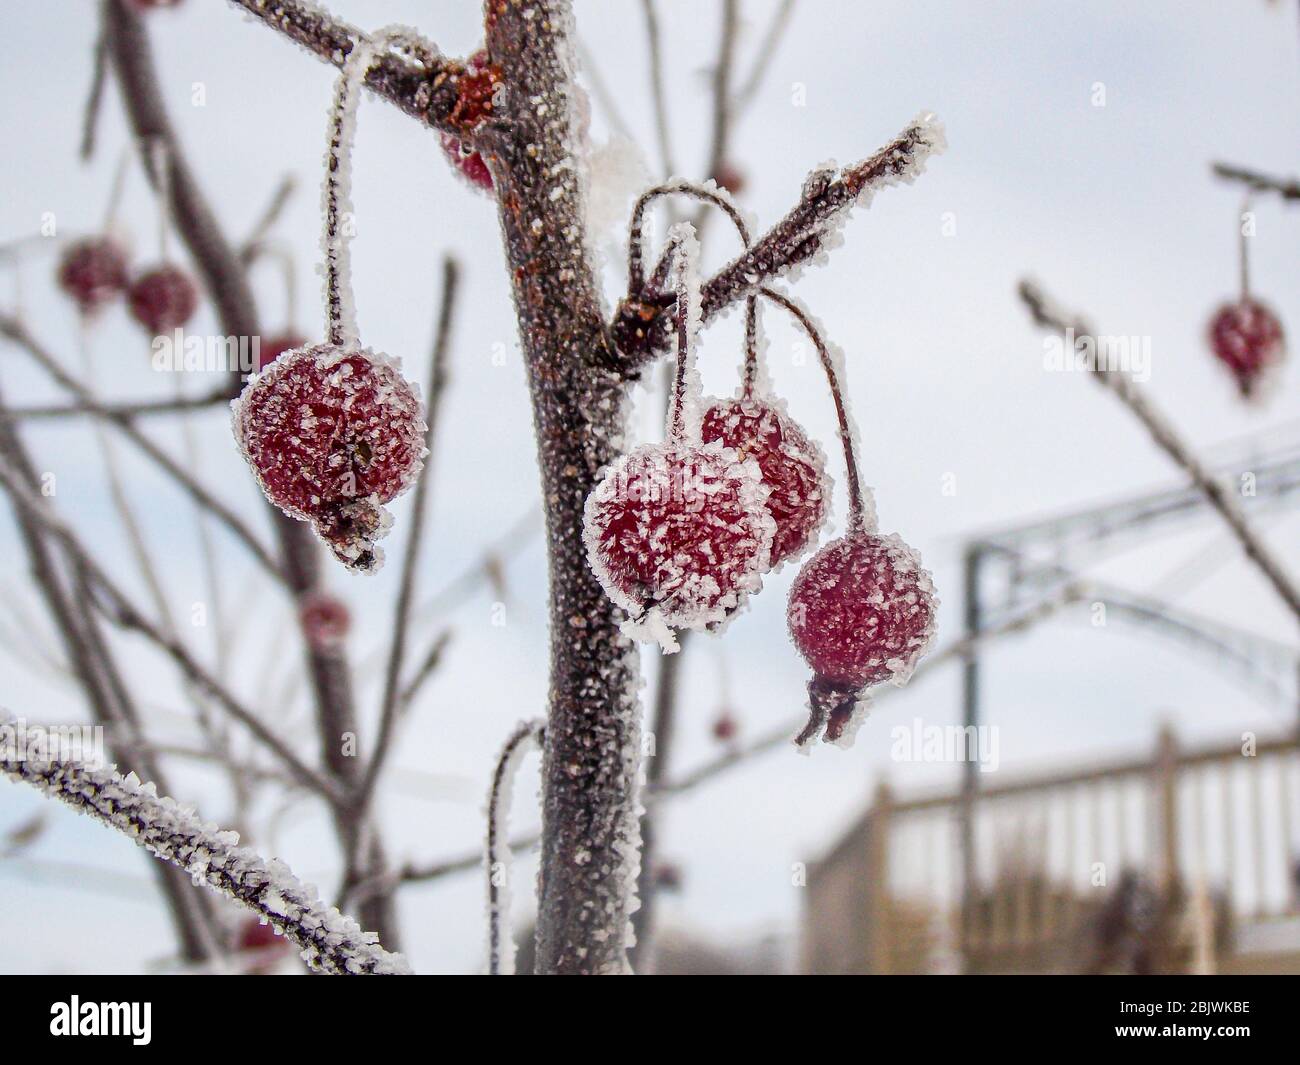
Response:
column 971, row 563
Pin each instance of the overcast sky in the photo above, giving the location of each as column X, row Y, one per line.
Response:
column 1112, row 207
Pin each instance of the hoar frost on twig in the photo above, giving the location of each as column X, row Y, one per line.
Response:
column 329, row 941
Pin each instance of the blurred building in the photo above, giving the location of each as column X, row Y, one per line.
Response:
column 1183, row 861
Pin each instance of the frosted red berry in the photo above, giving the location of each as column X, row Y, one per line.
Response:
column 163, row 299
column 325, row 621
column 272, row 348
column 332, row 435
column 678, row 534
column 792, row 467
column 1246, row 336
column 94, row 272
column 861, row 611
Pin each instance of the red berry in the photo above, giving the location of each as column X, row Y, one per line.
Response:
column 273, row 347
column 792, row 466
column 861, row 611
column 725, row 728
column 468, row 161
column 325, row 621
column 93, row 272
column 163, row 299
column 475, row 91
column 332, row 435
column 678, row 535
column 1246, row 336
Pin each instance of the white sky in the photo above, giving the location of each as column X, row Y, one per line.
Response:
column 1112, row 207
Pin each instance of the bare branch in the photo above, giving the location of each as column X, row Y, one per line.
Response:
column 425, row 91
column 1287, row 188
column 391, row 702
column 329, row 941
column 428, row 664
column 95, row 96
column 1046, row 313
column 641, row 329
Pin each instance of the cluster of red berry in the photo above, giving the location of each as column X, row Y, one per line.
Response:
column 95, row 271
column 681, row 533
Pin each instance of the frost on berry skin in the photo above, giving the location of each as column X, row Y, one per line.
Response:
column 1246, row 336
column 332, row 435
column 678, row 536
column 861, row 612
column 93, row 271
column 163, row 299
column 792, row 466
column 272, row 348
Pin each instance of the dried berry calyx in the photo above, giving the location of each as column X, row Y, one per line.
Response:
column 163, row 299
column 1247, row 337
column 678, row 533
column 332, row 435
column 94, row 272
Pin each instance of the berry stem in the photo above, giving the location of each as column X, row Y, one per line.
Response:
column 160, row 160
column 115, row 191
column 340, row 308
column 685, row 251
column 862, row 518
column 1243, row 246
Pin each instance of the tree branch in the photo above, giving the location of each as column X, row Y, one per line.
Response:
column 1046, row 313
column 1287, row 188
column 329, row 941
column 427, row 91
column 501, row 945
column 641, row 328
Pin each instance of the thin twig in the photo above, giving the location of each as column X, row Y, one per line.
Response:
column 658, row 90
column 744, row 96
column 390, row 703
column 501, row 945
column 118, row 411
column 267, row 219
column 95, row 96
column 428, row 664
column 600, row 91
column 1046, row 313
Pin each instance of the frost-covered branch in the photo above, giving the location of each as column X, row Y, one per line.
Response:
column 641, row 328
column 501, row 945
column 329, row 941
column 425, row 87
column 1045, row 312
